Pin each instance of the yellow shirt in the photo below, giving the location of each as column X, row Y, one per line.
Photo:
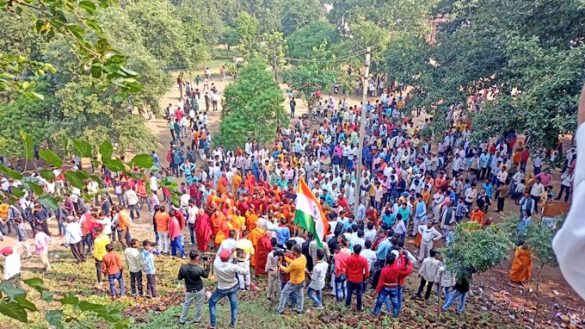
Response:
column 296, row 268
column 99, row 247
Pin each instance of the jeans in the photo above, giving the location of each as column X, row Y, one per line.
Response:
column 218, row 294
column 98, row 270
column 124, row 238
column 462, row 296
column 136, row 282
column 176, row 246
column 193, row 297
column 151, row 285
column 192, row 233
column 357, row 288
column 244, row 279
column 385, row 296
column 447, row 292
column 133, row 211
column 315, row 295
column 88, row 243
column 164, row 242
column 289, row 288
column 340, row 287
column 112, row 278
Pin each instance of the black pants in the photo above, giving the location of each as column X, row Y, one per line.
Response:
column 422, row 285
column 98, row 270
column 136, row 282
column 567, row 190
column 357, row 288
column 77, row 251
column 376, row 270
column 501, row 204
column 150, row 285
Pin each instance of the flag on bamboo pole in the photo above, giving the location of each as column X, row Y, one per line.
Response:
column 308, row 213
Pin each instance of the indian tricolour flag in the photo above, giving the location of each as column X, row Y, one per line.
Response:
column 309, row 215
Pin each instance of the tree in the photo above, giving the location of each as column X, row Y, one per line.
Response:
column 531, row 51
column 300, row 13
column 246, row 27
column 312, row 75
column 271, row 51
column 472, row 246
column 252, row 107
column 301, row 42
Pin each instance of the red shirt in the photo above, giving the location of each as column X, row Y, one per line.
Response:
column 340, row 260
column 356, row 269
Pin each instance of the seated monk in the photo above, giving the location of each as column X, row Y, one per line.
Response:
column 521, row 270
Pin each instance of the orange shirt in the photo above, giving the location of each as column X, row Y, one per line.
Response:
column 111, row 263
column 162, row 220
column 477, row 216
column 123, row 221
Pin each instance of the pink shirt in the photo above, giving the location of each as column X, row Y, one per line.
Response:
column 174, row 228
column 42, row 241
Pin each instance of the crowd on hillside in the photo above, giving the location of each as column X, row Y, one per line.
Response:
column 235, row 208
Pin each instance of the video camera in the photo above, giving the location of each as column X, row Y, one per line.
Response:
column 279, row 252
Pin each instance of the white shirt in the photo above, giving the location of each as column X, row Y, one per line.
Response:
column 192, row 212
column 73, row 233
column 153, row 183
column 569, row 242
column 131, row 197
column 12, row 265
column 429, row 234
column 226, row 273
column 106, row 223
column 318, row 275
column 370, row 256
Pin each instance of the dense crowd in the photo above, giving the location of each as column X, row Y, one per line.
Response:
column 236, row 208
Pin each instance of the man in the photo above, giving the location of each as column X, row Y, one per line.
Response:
column 428, row 273
column 388, row 287
column 99, row 251
column 134, row 261
column 293, row 105
column 340, row 261
column 271, row 267
column 460, row 291
column 358, row 272
column 318, row 280
column 263, row 249
column 192, row 273
column 73, row 238
column 429, row 234
column 162, row 220
column 245, row 247
column 227, row 286
column 112, row 268
column 296, row 268
column 42, row 241
column 176, row 233
column 149, row 269
column 12, row 266
column 228, row 244
column 521, row 270
column 132, row 201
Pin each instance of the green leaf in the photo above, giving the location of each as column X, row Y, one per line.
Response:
column 70, row 299
column 55, row 318
column 10, row 173
column 14, row 310
column 51, row 158
column 10, row 290
column 18, row 192
column 89, row 6
column 34, row 187
column 28, row 144
column 47, row 296
column 82, row 148
column 49, row 202
column 48, row 175
column 25, row 303
column 74, row 179
column 142, row 161
column 115, row 165
column 106, row 151
column 87, row 306
column 34, row 282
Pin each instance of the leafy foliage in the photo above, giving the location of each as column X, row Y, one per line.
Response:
column 252, row 107
column 300, row 43
column 480, row 248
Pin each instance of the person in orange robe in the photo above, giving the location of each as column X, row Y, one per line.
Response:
column 255, row 235
column 263, row 248
column 251, row 220
column 477, row 216
column 250, row 183
column 203, row 230
column 521, row 270
column 236, row 181
column 219, row 226
column 222, row 185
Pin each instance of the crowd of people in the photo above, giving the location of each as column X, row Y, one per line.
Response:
column 236, row 208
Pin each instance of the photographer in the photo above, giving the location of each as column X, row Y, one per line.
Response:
column 296, row 267
column 192, row 273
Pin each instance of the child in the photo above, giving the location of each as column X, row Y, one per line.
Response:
column 112, row 267
column 149, row 269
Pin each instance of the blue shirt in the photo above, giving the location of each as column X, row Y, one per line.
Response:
column 421, row 209
column 282, row 234
column 148, row 262
column 489, row 189
column 383, row 249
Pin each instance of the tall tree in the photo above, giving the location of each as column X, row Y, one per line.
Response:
column 252, row 107
column 300, row 13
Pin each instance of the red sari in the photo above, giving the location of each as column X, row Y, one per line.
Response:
column 202, row 231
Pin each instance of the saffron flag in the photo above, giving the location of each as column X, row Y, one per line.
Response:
column 309, row 215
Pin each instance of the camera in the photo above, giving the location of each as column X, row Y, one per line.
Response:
column 279, row 252
column 205, row 258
